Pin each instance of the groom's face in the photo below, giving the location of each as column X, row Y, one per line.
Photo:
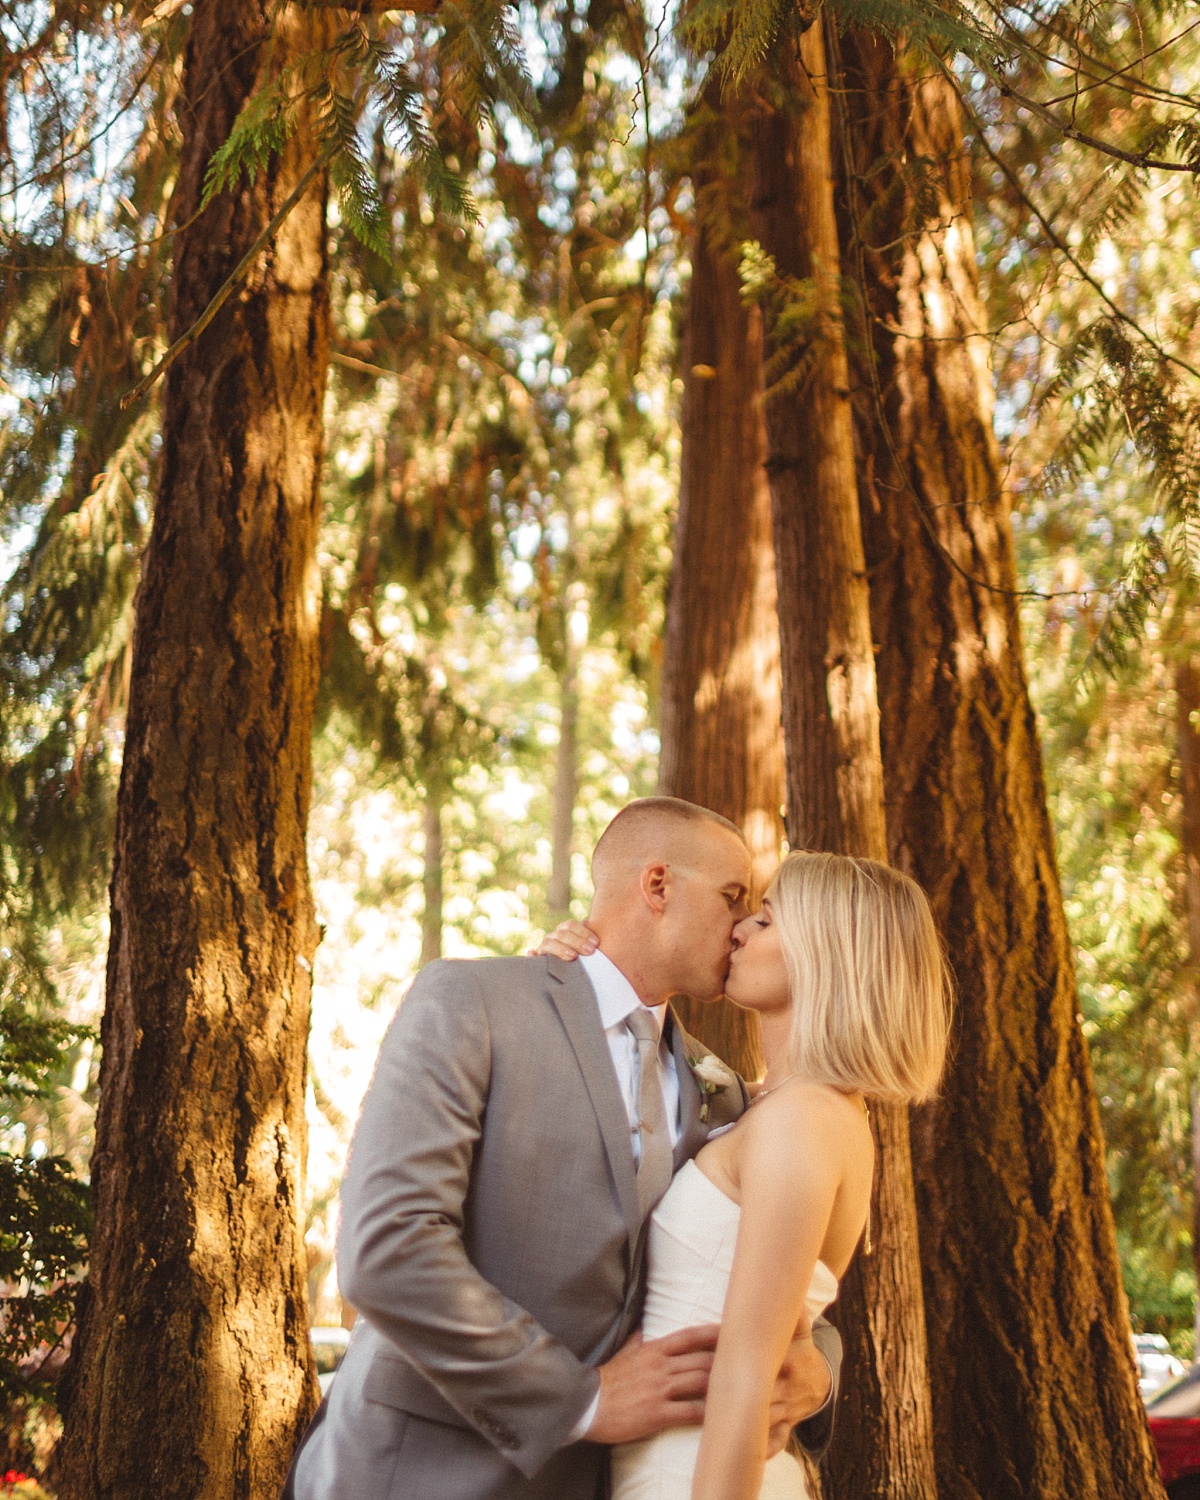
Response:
column 707, row 900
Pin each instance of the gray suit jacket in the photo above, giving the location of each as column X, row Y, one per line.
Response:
column 491, row 1242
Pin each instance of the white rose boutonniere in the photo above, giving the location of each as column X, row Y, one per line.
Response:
column 712, row 1076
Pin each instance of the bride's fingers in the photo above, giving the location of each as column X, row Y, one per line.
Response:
column 550, row 947
column 569, row 940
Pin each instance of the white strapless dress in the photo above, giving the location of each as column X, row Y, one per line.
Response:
column 693, row 1232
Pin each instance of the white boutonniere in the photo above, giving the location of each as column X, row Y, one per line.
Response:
column 711, row 1077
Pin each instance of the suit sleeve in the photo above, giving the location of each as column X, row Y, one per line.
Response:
column 402, row 1261
column 816, row 1432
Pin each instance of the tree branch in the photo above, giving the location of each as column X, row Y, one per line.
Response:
column 228, row 287
column 1048, row 117
column 1058, row 242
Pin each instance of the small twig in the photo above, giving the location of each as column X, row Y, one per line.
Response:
column 363, row 367
column 1059, row 243
column 1072, row 133
column 229, row 286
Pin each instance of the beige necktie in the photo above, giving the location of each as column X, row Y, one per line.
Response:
column 657, row 1164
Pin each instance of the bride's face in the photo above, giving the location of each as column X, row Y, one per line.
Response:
column 758, row 977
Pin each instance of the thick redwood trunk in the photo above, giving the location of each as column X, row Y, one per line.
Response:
column 1034, row 1385
column 722, row 738
column 191, row 1375
column 834, row 770
column 1187, row 739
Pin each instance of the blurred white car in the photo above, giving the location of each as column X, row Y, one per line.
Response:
column 329, row 1344
column 1157, row 1366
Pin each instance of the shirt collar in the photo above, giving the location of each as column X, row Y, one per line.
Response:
column 615, row 996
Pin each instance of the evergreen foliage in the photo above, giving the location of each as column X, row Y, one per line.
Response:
column 501, row 452
column 1098, row 411
column 44, row 1214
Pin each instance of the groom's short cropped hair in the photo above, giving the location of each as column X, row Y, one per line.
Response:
column 634, row 828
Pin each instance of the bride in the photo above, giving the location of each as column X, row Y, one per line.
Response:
column 844, row 969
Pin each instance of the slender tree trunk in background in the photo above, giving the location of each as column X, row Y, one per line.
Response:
column 1187, row 719
column 191, row 1374
column 1035, row 1392
column 431, row 879
column 722, row 738
column 566, row 789
column 835, row 777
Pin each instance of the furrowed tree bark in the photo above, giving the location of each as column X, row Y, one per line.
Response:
column 1034, row 1387
column 722, row 736
column 191, row 1374
column 1187, row 721
column 834, row 770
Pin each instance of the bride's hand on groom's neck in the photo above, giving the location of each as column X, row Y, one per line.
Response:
column 569, row 940
column 649, row 1386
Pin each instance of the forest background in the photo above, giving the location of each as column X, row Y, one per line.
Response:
column 517, row 348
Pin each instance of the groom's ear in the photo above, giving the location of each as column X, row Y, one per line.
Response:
column 654, row 882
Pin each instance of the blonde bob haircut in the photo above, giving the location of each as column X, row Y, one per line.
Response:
column 870, row 986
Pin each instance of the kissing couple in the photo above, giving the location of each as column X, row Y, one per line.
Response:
column 588, row 1262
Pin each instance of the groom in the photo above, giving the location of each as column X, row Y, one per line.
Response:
column 524, row 1117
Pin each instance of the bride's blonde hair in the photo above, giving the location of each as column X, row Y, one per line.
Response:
column 870, row 985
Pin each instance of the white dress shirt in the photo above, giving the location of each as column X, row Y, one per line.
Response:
column 617, row 999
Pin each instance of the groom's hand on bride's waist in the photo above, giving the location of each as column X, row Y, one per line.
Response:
column 650, row 1385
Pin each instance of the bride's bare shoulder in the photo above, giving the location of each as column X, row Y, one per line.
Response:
column 801, row 1116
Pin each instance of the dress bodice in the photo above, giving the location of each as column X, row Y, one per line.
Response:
column 693, row 1235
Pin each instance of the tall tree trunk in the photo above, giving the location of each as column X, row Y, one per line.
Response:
column 834, row 770
column 1187, row 719
column 431, row 878
column 191, row 1375
column 566, row 789
column 1035, row 1392
column 722, row 736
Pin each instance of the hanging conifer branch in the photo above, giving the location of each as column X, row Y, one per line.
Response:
column 1186, row 133
column 228, row 287
column 1057, row 241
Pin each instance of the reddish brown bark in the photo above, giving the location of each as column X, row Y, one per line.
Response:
column 191, row 1375
column 1034, row 1386
column 1187, row 739
column 831, row 723
column 722, row 737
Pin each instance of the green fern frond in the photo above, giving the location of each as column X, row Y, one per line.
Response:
column 1124, row 393
column 1112, row 210
column 1139, row 592
column 268, row 118
column 482, row 60
column 943, row 27
column 349, row 171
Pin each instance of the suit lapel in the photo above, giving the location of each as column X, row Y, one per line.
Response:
column 728, row 1105
column 572, row 996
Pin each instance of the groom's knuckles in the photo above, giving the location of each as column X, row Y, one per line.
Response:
column 686, row 1340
